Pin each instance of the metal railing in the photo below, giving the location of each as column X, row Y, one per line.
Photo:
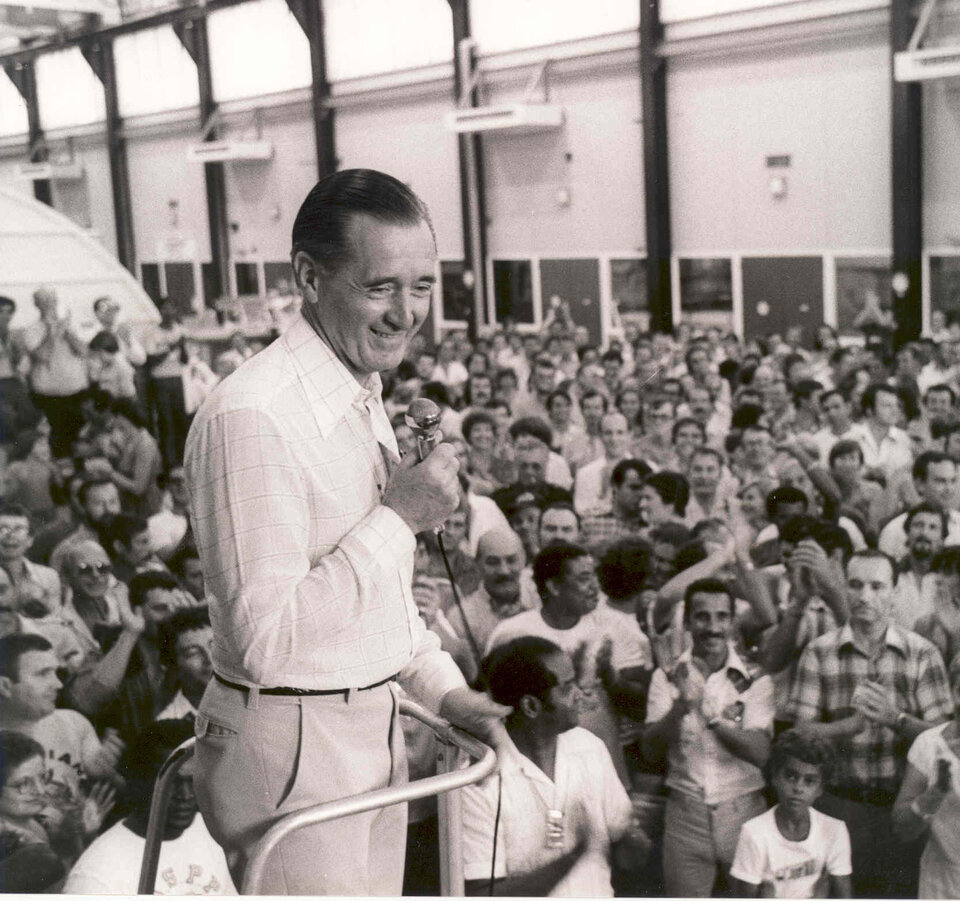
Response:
column 455, row 743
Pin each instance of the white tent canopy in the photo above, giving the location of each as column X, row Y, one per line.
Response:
column 39, row 246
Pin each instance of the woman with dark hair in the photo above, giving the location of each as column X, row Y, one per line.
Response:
column 485, row 470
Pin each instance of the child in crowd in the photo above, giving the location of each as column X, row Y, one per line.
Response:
column 109, row 369
column 792, row 849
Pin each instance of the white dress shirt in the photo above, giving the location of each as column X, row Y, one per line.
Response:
column 700, row 764
column 308, row 574
column 890, row 453
column 585, row 788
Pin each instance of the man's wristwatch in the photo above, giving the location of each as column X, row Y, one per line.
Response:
column 900, row 722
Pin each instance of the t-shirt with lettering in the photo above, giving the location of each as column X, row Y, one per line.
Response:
column 192, row 864
column 70, row 743
column 792, row 868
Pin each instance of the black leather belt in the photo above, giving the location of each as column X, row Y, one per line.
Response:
column 287, row 692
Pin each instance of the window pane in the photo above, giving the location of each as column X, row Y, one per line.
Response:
column 513, row 291
column 154, row 73
column 279, row 277
column 68, row 93
column 211, row 284
column 150, row 278
column 628, row 279
column 13, row 109
column 181, row 287
column 457, row 301
column 247, row 280
column 860, row 280
column 264, row 31
column 945, row 286
column 706, row 284
column 368, row 37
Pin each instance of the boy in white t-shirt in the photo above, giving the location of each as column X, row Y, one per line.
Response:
column 789, row 851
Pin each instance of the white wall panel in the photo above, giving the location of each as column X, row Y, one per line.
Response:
column 368, row 37
column 68, row 93
column 96, row 164
column 7, row 167
column 13, row 109
column 263, row 198
column 828, row 108
column 159, row 173
column 941, row 176
column 501, row 25
column 257, row 48
column 154, row 73
column 409, row 141
column 604, row 174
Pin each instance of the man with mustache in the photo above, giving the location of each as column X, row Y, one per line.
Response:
column 871, row 687
column 914, row 597
column 501, row 559
column 711, row 722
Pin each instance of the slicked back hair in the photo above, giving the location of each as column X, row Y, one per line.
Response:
column 322, row 226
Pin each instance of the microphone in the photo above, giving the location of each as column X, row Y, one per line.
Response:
column 423, row 418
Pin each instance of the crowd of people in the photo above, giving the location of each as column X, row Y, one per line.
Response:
column 716, row 580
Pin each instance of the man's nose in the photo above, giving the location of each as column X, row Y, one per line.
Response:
column 401, row 315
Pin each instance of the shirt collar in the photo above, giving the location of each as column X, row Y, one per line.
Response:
column 332, row 388
column 894, row 638
column 733, row 661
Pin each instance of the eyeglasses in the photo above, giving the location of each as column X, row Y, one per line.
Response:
column 101, row 569
column 30, row 785
column 20, row 528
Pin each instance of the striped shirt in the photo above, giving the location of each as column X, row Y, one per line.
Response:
column 830, row 669
column 308, row 574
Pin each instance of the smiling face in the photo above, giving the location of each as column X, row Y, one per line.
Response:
column 501, row 558
column 368, row 308
column 577, row 591
column 24, row 792
column 710, row 621
column 89, row 570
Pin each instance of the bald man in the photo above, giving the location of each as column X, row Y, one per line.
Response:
column 501, row 560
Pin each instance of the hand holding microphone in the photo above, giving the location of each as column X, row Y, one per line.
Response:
column 424, row 490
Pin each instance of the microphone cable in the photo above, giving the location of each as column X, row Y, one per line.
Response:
column 471, row 640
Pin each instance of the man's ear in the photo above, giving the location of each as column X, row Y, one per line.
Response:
column 6, row 687
column 307, row 273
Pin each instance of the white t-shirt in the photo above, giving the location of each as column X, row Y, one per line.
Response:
column 192, row 864
column 584, row 642
column 793, row 868
column 70, row 743
column 630, row 646
column 585, row 787
column 940, row 864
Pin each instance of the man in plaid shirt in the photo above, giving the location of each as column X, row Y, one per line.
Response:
column 871, row 688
